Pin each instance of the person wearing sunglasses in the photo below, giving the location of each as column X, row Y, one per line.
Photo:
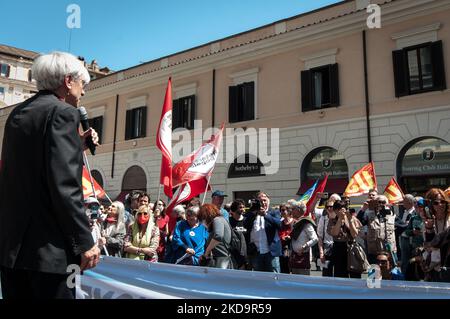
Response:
column 437, row 236
column 143, row 241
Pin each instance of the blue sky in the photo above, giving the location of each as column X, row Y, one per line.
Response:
column 121, row 34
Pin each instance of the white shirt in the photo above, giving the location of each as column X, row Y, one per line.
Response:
column 307, row 237
column 407, row 213
column 322, row 229
column 258, row 235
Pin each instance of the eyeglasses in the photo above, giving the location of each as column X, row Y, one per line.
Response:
column 329, row 206
column 382, row 261
column 381, row 202
column 438, row 202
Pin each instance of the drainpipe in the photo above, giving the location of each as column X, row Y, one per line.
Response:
column 213, row 98
column 115, row 136
column 366, row 92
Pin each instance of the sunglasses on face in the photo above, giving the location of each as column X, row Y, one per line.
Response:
column 381, row 202
column 438, row 202
column 329, row 206
column 382, row 261
column 145, row 214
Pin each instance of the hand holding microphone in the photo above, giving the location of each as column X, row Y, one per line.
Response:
column 90, row 136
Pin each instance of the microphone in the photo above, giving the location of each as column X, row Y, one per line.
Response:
column 85, row 125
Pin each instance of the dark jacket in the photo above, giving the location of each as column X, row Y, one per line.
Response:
column 272, row 225
column 43, row 225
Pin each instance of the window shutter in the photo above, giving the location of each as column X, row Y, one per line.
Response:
column 191, row 114
column 143, row 128
column 233, row 104
column 334, row 84
column 175, row 116
column 400, row 73
column 306, row 90
column 437, row 60
column 99, row 129
column 8, row 70
column 128, row 124
column 249, row 101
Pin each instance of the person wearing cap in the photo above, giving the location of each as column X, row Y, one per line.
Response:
column 42, row 165
column 217, row 199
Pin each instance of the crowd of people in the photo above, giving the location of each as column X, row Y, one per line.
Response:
column 408, row 241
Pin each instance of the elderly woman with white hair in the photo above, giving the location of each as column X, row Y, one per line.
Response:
column 42, row 164
column 303, row 237
column 114, row 230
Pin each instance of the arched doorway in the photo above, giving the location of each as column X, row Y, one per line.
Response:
column 319, row 162
column 423, row 164
column 134, row 179
column 98, row 177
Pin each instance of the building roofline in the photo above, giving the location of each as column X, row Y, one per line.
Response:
column 29, row 52
column 232, row 36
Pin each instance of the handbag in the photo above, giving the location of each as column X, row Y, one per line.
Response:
column 356, row 258
column 327, row 248
column 299, row 261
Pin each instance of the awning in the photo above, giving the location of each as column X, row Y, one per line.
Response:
column 334, row 185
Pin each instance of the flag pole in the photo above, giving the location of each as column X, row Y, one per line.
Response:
column 89, row 172
column 207, row 185
column 159, row 195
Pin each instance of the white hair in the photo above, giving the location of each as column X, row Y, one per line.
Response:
column 410, row 199
column 50, row 69
column 299, row 205
column 179, row 209
column 335, row 197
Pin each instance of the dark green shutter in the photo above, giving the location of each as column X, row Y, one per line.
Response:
column 437, row 61
column 334, row 84
column 249, row 101
column 175, row 115
column 400, row 73
column 233, row 104
column 99, row 128
column 192, row 112
column 143, row 128
column 306, row 90
column 128, row 124
column 8, row 70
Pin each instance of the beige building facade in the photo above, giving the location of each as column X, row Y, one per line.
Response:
column 339, row 93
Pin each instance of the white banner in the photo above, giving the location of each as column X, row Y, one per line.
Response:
column 117, row 278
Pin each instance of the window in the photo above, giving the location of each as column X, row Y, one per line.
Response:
column 97, row 124
column 4, row 70
column 30, row 76
column 419, row 69
column 320, row 87
column 183, row 114
column 2, row 90
column 136, row 122
column 242, row 102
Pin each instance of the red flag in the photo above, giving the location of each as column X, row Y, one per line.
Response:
column 393, row 192
column 87, row 185
column 200, row 163
column 164, row 141
column 184, row 193
column 319, row 189
column 362, row 181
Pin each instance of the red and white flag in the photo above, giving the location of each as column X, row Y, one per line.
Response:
column 184, row 193
column 200, row 163
column 88, row 188
column 164, row 141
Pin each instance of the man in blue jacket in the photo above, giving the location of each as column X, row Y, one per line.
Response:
column 264, row 245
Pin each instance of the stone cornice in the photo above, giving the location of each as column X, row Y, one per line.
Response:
column 393, row 12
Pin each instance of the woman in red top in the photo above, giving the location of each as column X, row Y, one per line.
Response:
column 162, row 220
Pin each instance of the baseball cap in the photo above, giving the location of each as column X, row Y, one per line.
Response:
column 91, row 200
column 219, row 193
